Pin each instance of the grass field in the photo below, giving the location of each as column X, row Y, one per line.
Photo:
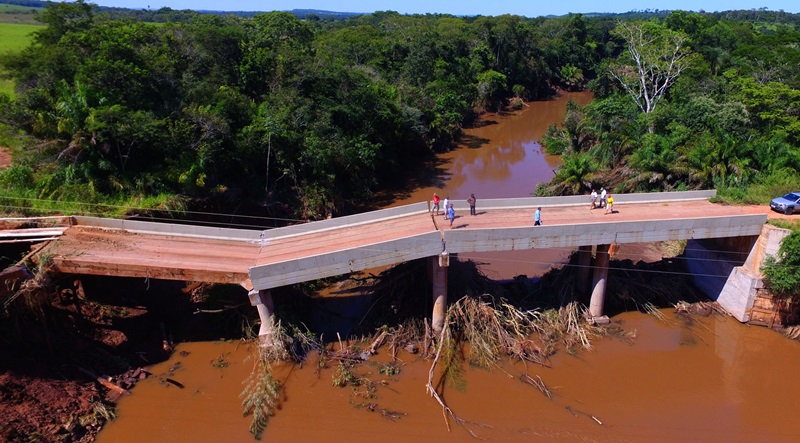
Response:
column 14, row 37
column 5, row 7
column 19, row 14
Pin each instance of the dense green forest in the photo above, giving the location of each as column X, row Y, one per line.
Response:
column 303, row 117
column 692, row 101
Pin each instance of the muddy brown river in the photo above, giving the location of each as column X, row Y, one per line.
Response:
column 714, row 380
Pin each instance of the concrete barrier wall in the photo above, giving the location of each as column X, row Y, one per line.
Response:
column 565, row 236
column 369, row 217
column 461, row 204
column 342, row 262
column 168, row 228
column 348, row 220
column 250, row 234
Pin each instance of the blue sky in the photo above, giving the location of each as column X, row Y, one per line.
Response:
column 528, row 8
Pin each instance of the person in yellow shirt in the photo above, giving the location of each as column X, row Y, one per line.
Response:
column 609, row 204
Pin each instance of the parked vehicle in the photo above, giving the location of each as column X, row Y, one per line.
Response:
column 788, row 204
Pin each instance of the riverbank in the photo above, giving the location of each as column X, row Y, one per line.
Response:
column 68, row 356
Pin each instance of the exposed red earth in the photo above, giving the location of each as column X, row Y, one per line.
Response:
column 5, row 157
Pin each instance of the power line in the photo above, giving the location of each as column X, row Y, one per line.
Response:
column 108, row 205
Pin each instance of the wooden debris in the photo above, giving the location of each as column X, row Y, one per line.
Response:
column 105, row 381
column 373, row 349
column 538, row 383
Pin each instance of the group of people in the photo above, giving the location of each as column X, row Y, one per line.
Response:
column 449, row 210
column 605, row 200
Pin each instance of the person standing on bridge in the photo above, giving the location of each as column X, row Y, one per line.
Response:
column 537, row 217
column 436, row 203
column 594, row 199
column 609, row 204
column 451, row 214
column 471, row 201
column 602, row 197
column 446, row 206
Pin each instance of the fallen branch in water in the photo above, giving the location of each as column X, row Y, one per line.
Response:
column 176, row 383
column 373, row 349
column 575, row 412
column 446, row 411
column 538, row 383
column 218, row 311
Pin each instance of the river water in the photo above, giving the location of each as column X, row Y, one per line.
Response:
column 712, row 380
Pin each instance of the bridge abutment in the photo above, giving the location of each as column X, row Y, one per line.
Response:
column 599, row 280
column 439, row 265
column 262, row 300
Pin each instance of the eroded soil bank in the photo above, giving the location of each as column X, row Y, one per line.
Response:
column 65, row 359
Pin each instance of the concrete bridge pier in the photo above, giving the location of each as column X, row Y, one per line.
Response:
column 262, row 300
column 584, row 262
column 438, row 266
column 599, row 280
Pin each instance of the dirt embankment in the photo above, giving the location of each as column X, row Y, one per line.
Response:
column 66, row 357
column 5, row 157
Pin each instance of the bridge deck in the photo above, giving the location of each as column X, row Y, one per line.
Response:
column 90, row 250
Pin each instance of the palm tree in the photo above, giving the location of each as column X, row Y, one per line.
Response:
column 572, row 177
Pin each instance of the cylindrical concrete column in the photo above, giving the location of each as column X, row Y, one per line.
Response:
column 262, row 300
column 599, row 282
column 584, row 274
column 439, row 266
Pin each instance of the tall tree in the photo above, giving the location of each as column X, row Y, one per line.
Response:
column 656, row 56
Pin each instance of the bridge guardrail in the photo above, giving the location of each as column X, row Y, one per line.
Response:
column 168, row 228
column 373, row 216
column 249, row 234
column 578, row 200
column 586, row 234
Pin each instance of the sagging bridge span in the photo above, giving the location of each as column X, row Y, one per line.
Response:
column 261, row 260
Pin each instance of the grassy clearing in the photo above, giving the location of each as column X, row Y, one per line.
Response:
column 19, row 14
column 760, row 193
column 14, row 37
column 793, row 225
column 6, row 8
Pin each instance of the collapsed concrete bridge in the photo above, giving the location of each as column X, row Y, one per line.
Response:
column 262, row 260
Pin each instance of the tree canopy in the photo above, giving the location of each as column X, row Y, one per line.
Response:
column 307, row 117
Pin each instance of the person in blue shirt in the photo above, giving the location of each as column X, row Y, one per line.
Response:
column 451, row 214
column 537, row 217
